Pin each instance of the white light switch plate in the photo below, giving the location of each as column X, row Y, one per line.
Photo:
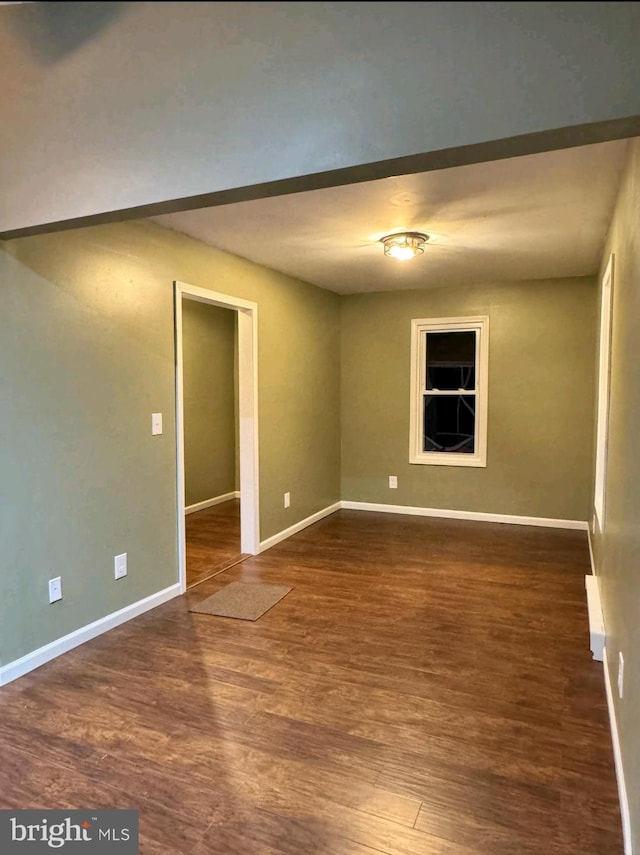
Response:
column 156, row 424
column 55, row 589
column 120, row 565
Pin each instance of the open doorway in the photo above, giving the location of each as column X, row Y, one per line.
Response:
column 216, row 420
column 211, row 459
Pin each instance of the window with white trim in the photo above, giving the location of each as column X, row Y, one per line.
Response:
column 449, row 391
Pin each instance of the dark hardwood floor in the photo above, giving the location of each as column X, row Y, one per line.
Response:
column 425, row 689
column 213, row 540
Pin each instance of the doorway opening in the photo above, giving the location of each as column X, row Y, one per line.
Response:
column 217, row 533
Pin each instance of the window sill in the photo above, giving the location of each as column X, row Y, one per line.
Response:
column 443, row 459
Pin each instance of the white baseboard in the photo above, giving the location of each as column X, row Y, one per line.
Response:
column 465, row 515
column 33, row 660
column 294, row 529
column 617, row 756
column 596, row 620
column 209, row 503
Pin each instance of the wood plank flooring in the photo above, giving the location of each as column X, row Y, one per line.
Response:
column 213, row 540
column 425, row 689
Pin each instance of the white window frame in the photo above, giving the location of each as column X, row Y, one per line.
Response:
column 419, row 329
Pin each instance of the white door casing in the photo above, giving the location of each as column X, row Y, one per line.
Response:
column 248, row 416
column 604, row 366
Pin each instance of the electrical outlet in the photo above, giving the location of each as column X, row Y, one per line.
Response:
column 120, row 565
column 393, row 482
column 55, row 589
column 287, row 500
column 620, row 674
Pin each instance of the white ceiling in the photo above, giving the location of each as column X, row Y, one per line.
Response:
column 534, row 217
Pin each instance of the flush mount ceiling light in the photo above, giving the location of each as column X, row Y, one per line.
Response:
column 404, row 245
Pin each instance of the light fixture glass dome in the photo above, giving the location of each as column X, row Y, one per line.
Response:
column 404, row 245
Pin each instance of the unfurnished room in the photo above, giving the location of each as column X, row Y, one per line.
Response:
column 319, row 398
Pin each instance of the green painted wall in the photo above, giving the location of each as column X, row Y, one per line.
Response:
column 87, row 354
column 209, row 349
column 617, row 550
column 540, row 399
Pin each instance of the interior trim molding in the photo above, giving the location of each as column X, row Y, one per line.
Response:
column 209, row 503
column 617, row 756
column 33, row 660
column 545, row 522
column 296, row 527
column 592, row 559
column 247, row 409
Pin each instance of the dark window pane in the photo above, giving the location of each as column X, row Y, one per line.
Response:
column 449, row 423
column 451, row 360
